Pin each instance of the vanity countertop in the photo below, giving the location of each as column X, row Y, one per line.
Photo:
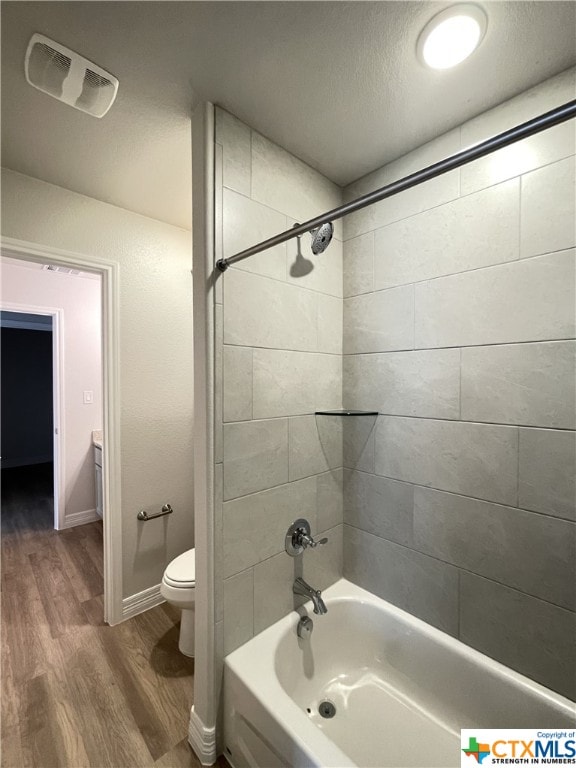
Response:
column 97, row 438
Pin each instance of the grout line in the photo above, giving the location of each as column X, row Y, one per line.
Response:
column 461, row 196
column 519, row 228
column 480, row 345
column 459, row 602
column 518, row 470
column 463, row 495
column 251, row 164
column 460, row 389
column 268, row 207
column 460, row 168
column 291, row 283
column 445, row 420
column 281, row 349
column 511, row 262
column 414, row 316
column 461, row 569
column 252, row 382
column 288, row 441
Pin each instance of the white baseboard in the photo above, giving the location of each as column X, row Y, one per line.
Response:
column 141, row 601
column 202, row 740
column 80, row 518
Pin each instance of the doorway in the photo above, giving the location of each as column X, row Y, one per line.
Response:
column 84, row 404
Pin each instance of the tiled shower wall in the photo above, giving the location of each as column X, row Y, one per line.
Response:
column 459, row 326
column 278, row 359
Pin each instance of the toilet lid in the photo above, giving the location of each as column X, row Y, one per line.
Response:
column 181, row 572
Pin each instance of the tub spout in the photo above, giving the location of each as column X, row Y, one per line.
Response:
column 302, row 588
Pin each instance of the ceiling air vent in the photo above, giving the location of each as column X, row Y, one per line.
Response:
column 69, row 77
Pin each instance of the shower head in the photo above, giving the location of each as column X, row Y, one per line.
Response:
column 321, row 237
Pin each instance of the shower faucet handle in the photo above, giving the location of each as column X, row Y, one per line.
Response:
column 298, row 538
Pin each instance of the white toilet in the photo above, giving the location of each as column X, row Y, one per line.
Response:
column 178, row 588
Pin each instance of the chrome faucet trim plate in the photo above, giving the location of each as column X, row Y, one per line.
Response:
column 298, row 538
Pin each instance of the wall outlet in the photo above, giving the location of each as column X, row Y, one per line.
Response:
column 88, row 397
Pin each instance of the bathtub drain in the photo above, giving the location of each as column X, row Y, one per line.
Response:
column 327, row 709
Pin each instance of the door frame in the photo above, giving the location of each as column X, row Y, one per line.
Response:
column 58, row 411
column 111, row 466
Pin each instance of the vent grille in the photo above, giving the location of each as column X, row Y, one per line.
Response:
column 48, row 68
column 44, row 52
column 69, row 77
column 94, row 80
column 97, row 91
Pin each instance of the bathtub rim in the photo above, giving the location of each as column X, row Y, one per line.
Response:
column 253, row 664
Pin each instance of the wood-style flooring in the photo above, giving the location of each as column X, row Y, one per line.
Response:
column 75, row 692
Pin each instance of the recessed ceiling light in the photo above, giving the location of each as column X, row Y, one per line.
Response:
column 451, row 36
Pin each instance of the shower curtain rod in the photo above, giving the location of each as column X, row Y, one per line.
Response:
column 524, row 130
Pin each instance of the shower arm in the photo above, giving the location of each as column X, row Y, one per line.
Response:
column 541, row 123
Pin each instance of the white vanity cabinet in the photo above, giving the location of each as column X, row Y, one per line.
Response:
column 98, row 479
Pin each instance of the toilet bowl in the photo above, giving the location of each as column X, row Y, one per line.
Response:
column 178, row 588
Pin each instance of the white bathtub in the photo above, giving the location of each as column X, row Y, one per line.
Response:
column 402, row 691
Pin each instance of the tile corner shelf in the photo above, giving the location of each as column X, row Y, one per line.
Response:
column 346, row 413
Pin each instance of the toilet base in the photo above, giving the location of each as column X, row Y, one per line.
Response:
column 186, row 641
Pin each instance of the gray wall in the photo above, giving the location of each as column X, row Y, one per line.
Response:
column 459, row 317
column 27, row 432
column 278, row 359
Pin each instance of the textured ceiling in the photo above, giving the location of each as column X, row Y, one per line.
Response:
column 336, row 83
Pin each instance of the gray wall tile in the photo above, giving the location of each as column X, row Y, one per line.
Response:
column 527, row 634
column 247, row 222
column 330, row 494
column 323, row 565
column 315, row 445
column 260, row 312
column 255, row 526
column 330, row 324
column 237, row 383
column 530, row 384
column 234, row 136
column 255, row 456
column 358, row 434
column 238, row 610
column 529, row 300
column 526, row 105
column 414, row 383
column 326, row 268
column 357, row 441
column 547, row 466
column 468, row 233
column 378, row 505
column 359, row 265
column 549, row 209
column 412, row 201
column 531, row 153
column 414, row 582
column 287, row 184
column 519, row 158
column 218, row 384
column 478, row 460
column 218, row 543
column 273, row 596
column 295, row 383
column 378, row 322
column 508, row 545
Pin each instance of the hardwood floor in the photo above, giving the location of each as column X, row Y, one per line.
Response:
column 75, row 692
